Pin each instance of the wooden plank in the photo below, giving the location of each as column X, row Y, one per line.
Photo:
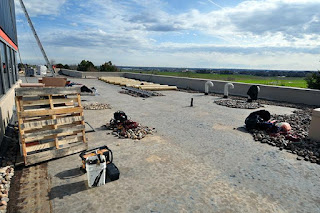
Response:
column 21, row 132
column 39, row 124
column 31, row 85
column 42, row 112
column 47, row 91
column 81, row 114
column 50, row 127
column 54, row 126
column 39, row 135
column 52, row 144
column 51, row 154
column 46, row 101
column 71, row 140
column 40, row 146
column 52, row 136
column 43, row 118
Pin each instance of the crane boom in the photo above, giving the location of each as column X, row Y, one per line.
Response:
column 37, row 38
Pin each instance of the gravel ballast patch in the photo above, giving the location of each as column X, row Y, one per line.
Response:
column 95, row 106
column 301, row 145
column 238, row 104
column 6, row 174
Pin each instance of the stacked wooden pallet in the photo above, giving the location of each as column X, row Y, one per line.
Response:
column 136, row 84
column 51, row 123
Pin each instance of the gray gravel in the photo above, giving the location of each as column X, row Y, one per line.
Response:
column 241, row 104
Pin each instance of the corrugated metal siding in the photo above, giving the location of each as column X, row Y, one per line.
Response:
column 8, row 19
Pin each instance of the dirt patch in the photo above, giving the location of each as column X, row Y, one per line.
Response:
column 29, row 190
column 219, row 126
column 154, row 158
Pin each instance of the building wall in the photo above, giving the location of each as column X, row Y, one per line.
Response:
column 8, row 19
column 9, row 76
column 7, row 105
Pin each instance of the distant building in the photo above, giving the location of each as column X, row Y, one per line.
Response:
column 9, row 77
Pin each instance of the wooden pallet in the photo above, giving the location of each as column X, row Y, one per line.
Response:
column 51, row 123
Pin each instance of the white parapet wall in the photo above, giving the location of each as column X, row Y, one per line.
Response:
column 7, row 104
column 275, row 93
column 80, row 74
column 314, row 131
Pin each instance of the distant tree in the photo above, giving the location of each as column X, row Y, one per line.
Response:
column 20, row 66
column 66, row 66
column 59, row 65
column 108, row 67
column 313, row 80
column 226, row 72
column 86, row 66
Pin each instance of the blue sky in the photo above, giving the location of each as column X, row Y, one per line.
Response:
column 262, row 34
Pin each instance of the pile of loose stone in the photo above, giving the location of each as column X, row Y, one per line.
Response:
column 238, row 104
column 95, row 106
column 137, row 133
column 299, row 121
column 11, row 150
column 134, row 133
column 6, row 174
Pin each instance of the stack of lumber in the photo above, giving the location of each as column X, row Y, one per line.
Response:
column 136, row 84
column 51, row 123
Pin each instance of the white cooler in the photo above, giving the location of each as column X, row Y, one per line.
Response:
column 96, row 170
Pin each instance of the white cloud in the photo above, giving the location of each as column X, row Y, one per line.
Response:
column 40, row 7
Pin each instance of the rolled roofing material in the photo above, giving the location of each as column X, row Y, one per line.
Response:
column 162, row 87
column 136, row 84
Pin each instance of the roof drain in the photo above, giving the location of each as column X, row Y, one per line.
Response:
column 206, row 87
column 226, row 89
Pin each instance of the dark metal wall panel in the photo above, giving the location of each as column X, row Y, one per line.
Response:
column 8, row 19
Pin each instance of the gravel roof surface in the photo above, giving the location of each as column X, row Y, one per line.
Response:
column 200, row 159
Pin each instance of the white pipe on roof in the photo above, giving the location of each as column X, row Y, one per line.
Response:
column 226, row 89
column 206, row 87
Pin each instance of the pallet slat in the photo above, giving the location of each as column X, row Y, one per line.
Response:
column 56, row 111
column 59, row 132
column 46, row 101
column 58, row 121
column 52, row 144
column 47, row 91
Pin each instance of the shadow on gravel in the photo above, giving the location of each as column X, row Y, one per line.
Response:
column 67, row 190
column 68, row 174
column 242, row 129
column 101, row 128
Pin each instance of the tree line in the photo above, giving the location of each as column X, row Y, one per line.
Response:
column 88, row 66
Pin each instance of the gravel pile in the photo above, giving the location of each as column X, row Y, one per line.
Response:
column 238, row 104
column 140, row 95
column 138, row 133
column 299, row 143
column 135, row 133
column 6, row 173
column 96, row 106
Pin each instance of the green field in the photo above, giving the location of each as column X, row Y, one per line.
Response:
column 279, row 81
